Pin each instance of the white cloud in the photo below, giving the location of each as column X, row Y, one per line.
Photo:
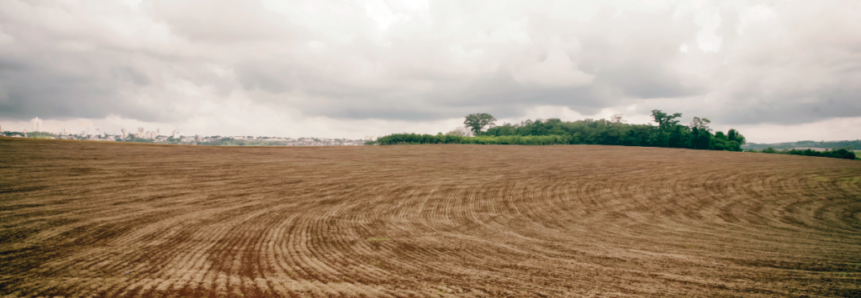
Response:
column 707, row 38
column 753, row 15
column 555, row 70
column 355, row 68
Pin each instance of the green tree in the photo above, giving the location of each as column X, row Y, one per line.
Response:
column 476, row 122
column 460, row 132
column 701, row 138
column 664, row 120
column 701, row 124
column 733, row 135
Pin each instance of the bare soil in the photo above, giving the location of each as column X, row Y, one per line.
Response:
column 84, row 219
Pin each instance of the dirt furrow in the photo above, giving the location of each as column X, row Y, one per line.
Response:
column 83, row 219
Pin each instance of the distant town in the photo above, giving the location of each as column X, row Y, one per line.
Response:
column 141, row 135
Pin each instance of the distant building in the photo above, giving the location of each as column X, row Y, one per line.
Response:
column 175, row 134
column 124, row 132
column 37, row 124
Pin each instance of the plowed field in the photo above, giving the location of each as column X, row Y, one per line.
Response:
column 103, row 219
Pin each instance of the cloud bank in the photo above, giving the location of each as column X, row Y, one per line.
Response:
column 326, row 67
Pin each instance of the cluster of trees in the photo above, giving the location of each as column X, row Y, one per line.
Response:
column 234, row 142
column 33, row 134
column 411, row 138
column 838, row 153
column 667, row 133
column 132, row 139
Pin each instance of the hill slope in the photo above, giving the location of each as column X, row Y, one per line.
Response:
column 804, row 144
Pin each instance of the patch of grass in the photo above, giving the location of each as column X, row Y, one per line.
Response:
column 378, row 239
column 852, row 179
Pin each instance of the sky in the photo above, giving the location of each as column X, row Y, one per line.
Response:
column 775, row 70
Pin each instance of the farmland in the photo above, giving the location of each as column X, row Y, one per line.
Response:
column 89, row 218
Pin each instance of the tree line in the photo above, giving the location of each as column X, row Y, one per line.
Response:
column 834, row 153
column 667, row 133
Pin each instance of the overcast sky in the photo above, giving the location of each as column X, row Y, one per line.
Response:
column 776, row 70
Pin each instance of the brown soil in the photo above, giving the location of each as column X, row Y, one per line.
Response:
column 102, row 219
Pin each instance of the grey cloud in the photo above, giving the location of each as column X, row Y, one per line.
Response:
column 131, row 75
column 223, row 21
column 331, row 59
column 30, row 89
column 811, row 106
column 54, row 70
column 276, row 80
column 806, row 73
column 387, row 112
column 633, row 72
column 645, row 81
